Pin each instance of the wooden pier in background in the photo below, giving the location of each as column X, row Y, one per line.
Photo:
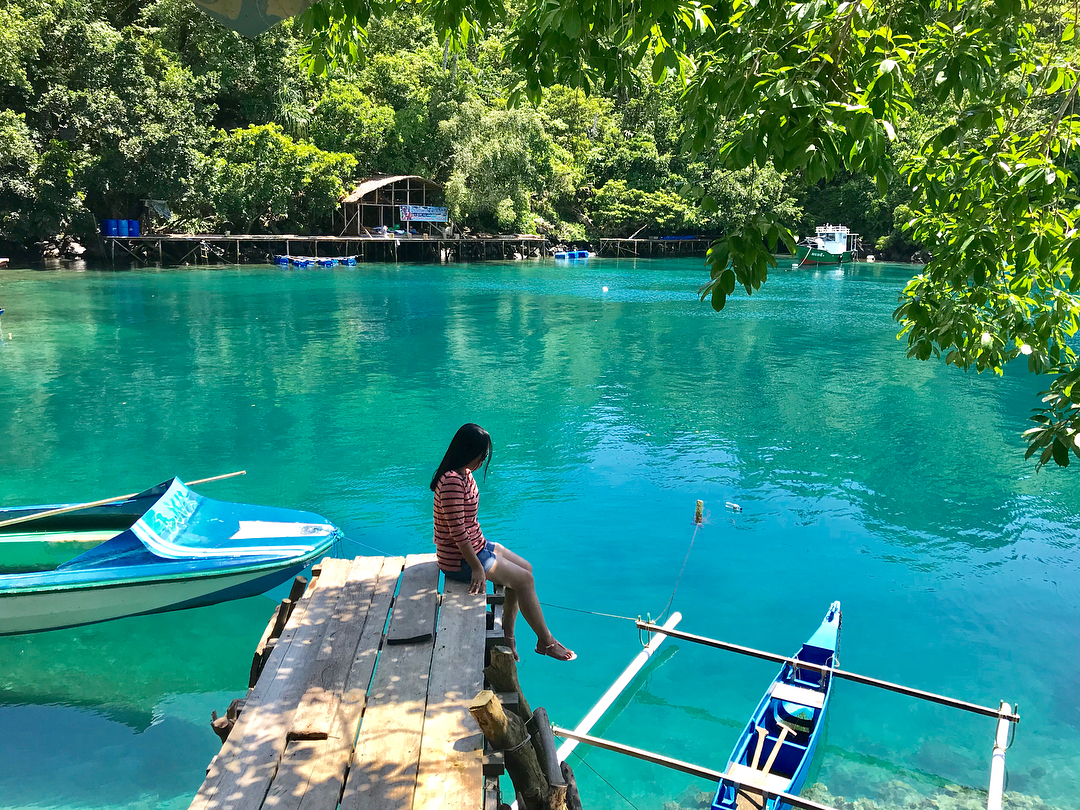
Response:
column 360, row 694
column 254, row 248
column 653, row 246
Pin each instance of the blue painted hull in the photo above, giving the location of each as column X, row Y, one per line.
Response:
column 798, row 699
column 167, row 549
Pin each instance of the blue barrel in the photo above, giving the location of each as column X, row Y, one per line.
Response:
column 121, row 227
column 133, row 227
column 108, row 227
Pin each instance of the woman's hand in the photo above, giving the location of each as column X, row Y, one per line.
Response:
column 479, row 581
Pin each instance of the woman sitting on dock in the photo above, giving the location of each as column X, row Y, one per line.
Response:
column 465, row 555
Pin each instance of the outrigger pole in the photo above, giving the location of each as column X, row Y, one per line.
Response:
column 685, row 767
column 1005, row 712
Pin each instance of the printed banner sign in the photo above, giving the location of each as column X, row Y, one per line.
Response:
column 423, row 213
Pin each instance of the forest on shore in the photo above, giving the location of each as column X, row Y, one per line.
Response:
column 104, row 105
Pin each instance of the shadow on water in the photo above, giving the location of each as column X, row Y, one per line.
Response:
column 122, row 669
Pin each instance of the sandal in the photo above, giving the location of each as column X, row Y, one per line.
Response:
column 555, row 650
column 511, row 642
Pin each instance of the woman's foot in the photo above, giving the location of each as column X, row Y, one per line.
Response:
column 555, row 650
column 511, row 642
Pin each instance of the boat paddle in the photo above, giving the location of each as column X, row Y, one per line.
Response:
column 78, row 506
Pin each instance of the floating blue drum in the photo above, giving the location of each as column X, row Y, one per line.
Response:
column 350, row 261
column 282, row 260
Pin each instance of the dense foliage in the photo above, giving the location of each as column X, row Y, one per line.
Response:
column 105, row 106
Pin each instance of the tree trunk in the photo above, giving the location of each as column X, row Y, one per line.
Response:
column 573, row 797
column 502, row 675
column 506, row 733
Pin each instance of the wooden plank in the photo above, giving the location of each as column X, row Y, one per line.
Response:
column 312, row 772
column 492, row 794
column 326, row 678
column 240, row 775
column 414, row 608
column 382, row 774
column 354, row 694
column 797, row 694
column 451, row 754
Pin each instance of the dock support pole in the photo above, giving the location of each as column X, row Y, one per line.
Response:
column 997, row 762
column 506, row 732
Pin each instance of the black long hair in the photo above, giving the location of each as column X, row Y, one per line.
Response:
column 469, row 442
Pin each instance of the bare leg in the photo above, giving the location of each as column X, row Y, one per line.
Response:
column 510, row 606
column 502, row 551
column 519, row 581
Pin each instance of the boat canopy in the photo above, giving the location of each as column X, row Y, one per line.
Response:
column 182, row 525
column 182, row 528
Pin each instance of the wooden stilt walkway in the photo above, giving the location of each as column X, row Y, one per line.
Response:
column 363, row 698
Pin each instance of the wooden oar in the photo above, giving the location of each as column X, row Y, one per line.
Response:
column 104, row 501
column 761, row 734
column 784, row 731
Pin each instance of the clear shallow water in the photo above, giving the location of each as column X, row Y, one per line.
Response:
column 897, row 487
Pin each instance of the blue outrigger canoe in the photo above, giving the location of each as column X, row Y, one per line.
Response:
column 164, row 549
column 775, row 750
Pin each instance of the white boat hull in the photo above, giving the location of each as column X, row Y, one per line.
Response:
column 48, row 610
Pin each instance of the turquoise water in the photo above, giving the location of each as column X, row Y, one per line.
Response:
column 895, row 486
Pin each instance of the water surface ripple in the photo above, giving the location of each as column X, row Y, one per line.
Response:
column 895, row 486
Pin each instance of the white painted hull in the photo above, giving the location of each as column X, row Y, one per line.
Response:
column 30, row 612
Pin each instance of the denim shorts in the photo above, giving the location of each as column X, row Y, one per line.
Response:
column 464, row 574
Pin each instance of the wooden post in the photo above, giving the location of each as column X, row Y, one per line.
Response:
column 506, row 732
column 501, row 674
column 544, row 743
column 573, row 797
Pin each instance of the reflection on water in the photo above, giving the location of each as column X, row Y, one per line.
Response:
column 895, row 486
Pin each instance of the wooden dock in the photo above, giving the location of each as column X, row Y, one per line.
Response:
column 254, row 248
column 654, row 246
column 361, row 697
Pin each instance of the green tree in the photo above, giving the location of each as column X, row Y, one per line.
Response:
column 262, row 179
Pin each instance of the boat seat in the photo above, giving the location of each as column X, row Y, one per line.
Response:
column 796, row 694
column 752, row 778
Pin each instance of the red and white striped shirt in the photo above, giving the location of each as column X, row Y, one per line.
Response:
column 456, row 501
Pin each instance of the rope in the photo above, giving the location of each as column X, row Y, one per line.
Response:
column 663, row 613
column 671, row 598
column 365, row 545
column 590, row 612
column 605, row 781
column 519, row 746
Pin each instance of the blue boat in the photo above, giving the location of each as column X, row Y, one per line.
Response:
column 164, row 549
column 775, row 750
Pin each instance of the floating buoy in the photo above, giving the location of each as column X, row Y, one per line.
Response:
column 734, row 507
column 699, row 511
column 604, row 289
